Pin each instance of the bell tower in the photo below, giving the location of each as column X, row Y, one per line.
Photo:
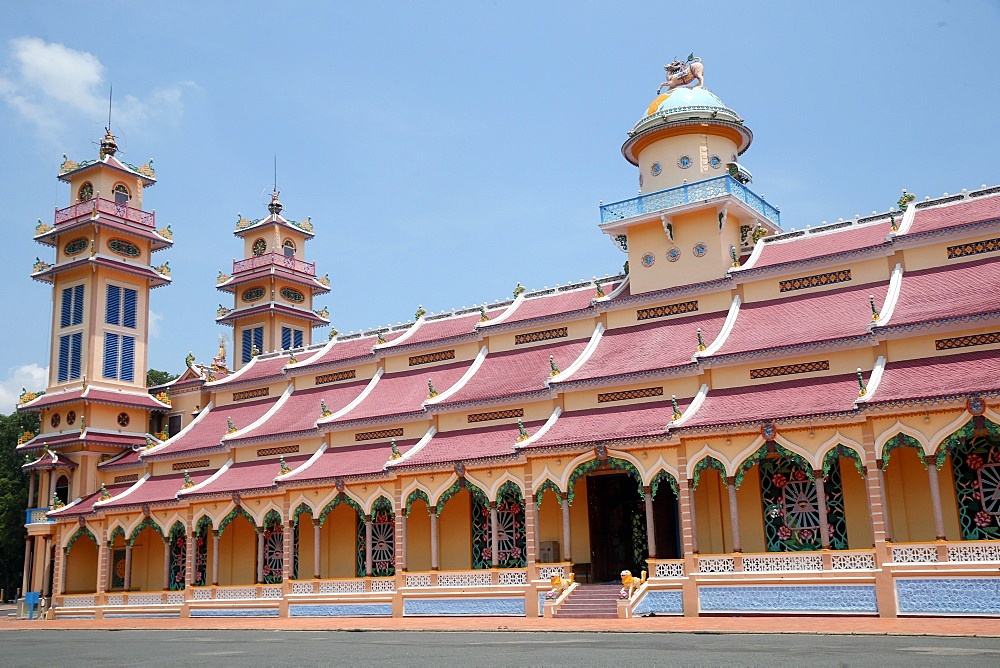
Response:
column 273, row 286
column 695, row 216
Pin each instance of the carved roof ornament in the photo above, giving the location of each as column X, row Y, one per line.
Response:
column 188, row 482
column 324, row 410
column 701, row 341
column 519, row 289
column 875, row 313
column 677, row 409
column 553, row 369
column 682, row 73
column 862, row 390
column 522, row 433
column 396, row 454
column 285, row 468
column 482, row 314
column 108, row 144
column 431, row 392
column 275, row 205
column 421, row 311
column 230, row 427
column 105, row 494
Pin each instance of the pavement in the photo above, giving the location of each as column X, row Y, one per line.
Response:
column 818, row 625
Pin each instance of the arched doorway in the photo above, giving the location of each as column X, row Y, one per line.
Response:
column 81, row 563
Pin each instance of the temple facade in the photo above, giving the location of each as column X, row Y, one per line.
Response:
column 746, row 420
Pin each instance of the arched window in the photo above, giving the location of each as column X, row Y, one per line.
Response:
column 86, row 191
column 259, row 247
column 122, row 195
column 289, row 247
column 62, row 489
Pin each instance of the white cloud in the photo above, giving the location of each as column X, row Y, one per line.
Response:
column 30, row 376
column 45, row 82
column 154, row 324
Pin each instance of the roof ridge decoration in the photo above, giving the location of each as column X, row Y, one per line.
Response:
column 354, row 403
column 430, row 402
column 549, row 423
column 865, row 393
column 410, row 331
column 727, row 329
column 908, row 215
column 881, row 318
column 518, row 300
column 304, row 465
column 207, row 481
column 237, row 434
column 191, row 425
column 692, row 408
column 582, row 358
column 103, row 501
column 417, row 447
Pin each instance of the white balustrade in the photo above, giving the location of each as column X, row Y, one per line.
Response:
column 508, row 578
column 78, row 601
column 302, row 587
column 782, row 563
column 546, row 572
column 236, row 593
column 914, row 554
column 853, row 561
column 202, row 594
column 271, row 592
column 384, row 585
column 474, row 579
column 669, row 569
column 716, row 565
column 418, row 580
column 116, row 599
column 342, row 587
column 974, row 552
column 148, row 598
column 175, row 598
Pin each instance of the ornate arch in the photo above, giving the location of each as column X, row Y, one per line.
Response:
column 548, row 483
column 705, row 463
column 301, row 509
column 146, row 523
column 271, row 518
column 975, row 464
column 460, row 483
column 772, row 447
column 177, row 555
column 237, row 511
column 664, row 475
column 904, row 440
column 342, row 498
column 82, row 531
column 882, row 442
column 504, row 480
column 847, row 452
column 119, row 530
column 612, row 463
column 417, row 494
column 203, row 524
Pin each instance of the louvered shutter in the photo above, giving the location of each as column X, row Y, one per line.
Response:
column 247, row 344
column 111, row 348
column 128, row 358
column 128, row 308
column 113, row 314
column 67, row 307
column 76, row 344
column 286, row 338
column 78, row 304
column 258, row 338
column 63, row 358
column 297, row 338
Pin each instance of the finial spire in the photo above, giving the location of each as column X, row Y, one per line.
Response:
column 875, row 313
column 862, row 389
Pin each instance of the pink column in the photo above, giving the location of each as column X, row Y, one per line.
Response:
column 368, row 545
column 494, row 543
column 566, row 552
column 215, row 557
column 824, row 527
column 690, row 534
column 191, row 556
column 434, row 539
column 287, row 550
column 166, row 562
column 128, row 566
column 932, row 480
column 260, row 554
column 647, row 493
column 734, row 514
column 400, row 538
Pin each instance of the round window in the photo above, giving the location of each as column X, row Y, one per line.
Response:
column 259, row 247
column 75, row 247
column 253, row 294
column 71, row 418
column 684, row 161
column 123, row 419
column 86, row 191
column 55, row 420
column 648, row 259
column 292, row 295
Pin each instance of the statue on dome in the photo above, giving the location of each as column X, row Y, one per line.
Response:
column 681, row 73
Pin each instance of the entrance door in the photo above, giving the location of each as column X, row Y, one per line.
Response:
column 617, row 526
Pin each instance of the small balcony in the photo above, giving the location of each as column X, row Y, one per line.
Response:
column 688, row 194
column 36, row 516
column 276, row 260
column 100, row 205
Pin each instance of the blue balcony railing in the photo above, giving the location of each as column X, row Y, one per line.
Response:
column 686, row 194
column 36, row 516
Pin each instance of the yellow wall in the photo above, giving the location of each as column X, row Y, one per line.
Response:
column 81, row 567
column 418, row 538
column 550, row 519
column 401, row 362
column 455, row 532
column 713, row 302
column 237, row 553
column 147, row 561
column 859, row 523
column 698, row 147
column 712, row 514
column 909, row 500
column 339, row 543
column 579, row 524
column 577, row 329
column 877, row 269
column 104, row 180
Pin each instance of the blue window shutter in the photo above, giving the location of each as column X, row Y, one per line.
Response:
column 128, row 308
column 67, row 307
column 63, row 358
column 128, row 358
column 297, row 342
column 258, row 338
column 247, row 345
column 110, row 355
column 76, row 344
column 78, row 304
column 113, row 314
column 286, row 338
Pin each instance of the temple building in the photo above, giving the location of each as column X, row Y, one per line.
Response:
column 747, row 420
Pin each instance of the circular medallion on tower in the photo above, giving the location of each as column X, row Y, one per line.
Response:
column 55, row 419
column 124, row 248
column 259, row 247
column 655, row 169
column 648, row 259
column 70, row 418
column 700, row 249
column 253, row 294
column 714, row 161
column 292, row 295
column 123, row 419
column 86, row 192
column 75, row 247
column 673, row 254
column 684, row 161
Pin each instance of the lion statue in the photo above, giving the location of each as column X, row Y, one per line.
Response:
column 559, row 585
column 681, row 73
column 630, row 583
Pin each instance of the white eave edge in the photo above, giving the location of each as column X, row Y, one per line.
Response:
column 727, row 329
column 582, row 359
column 357, row 400
column 263, row 418
column 466, row 377
column 891, row 298
column 403, row 337
column 873, row 381
column 136, row 485
column 541, row 430
column 303, row 466
column 417, row 447
column 204, row 411
column 212, row 478
column 692, row 408
column 509, row 311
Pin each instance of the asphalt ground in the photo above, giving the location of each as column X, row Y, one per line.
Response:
column 505, row 648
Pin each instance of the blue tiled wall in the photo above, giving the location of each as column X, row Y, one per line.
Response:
column 789, row 598
column 341, row 610
column 661, row 603
column 464, row 606
column 970, row 596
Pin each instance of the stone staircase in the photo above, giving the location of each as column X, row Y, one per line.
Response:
column 591, row 601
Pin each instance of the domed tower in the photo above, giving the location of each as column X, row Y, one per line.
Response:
column 273, row 286
column 695, row 216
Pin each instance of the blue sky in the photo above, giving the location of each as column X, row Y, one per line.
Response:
column 446, row 151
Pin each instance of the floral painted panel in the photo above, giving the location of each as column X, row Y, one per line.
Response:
column 791, row 507
column 976, row 464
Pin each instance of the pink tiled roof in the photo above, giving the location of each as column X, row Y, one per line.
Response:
column 515, row 372
column 351, row 461
column 555, row 304
column 49, row 460
column 298, row 415
column 948, row 292
column 791, row 398
column 468, row 445
column 128, row 459
column 402, row 393
column 650, row 347
column 823, row 244
column 208, row 433
column 342, row 351
column 65, row 439
column 948, row 375
column 158, row 489
column 258, row 369
column 612, row 423
column 790, row 321
column 448, row 328
column 248, row 476
column 951, row 215
column 86, row 505
column 96, row 395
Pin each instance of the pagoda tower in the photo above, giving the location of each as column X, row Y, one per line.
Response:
column 95, row 405
column 272, row 286
column 695, row 216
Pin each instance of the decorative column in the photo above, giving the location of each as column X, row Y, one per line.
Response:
column 260, row 554
column 494, row 530
column 538, row 524
column 215, row 557
column 60, row 583
column 932, row 479
column 824, row 526
column 47, row 565
column 29, row 543
column 434, row 538
column 128, row 566
column 566, row 552
column 191, row 557
column 51, row 486
column 734, row 514
column 316, row 550
column 879, row 495
column 647, row 493
column 688, row 509
column 400, row 548
column 104, row 563
column 166, row 562
column 288, row 551
column 368, row 545
column 31, row 489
